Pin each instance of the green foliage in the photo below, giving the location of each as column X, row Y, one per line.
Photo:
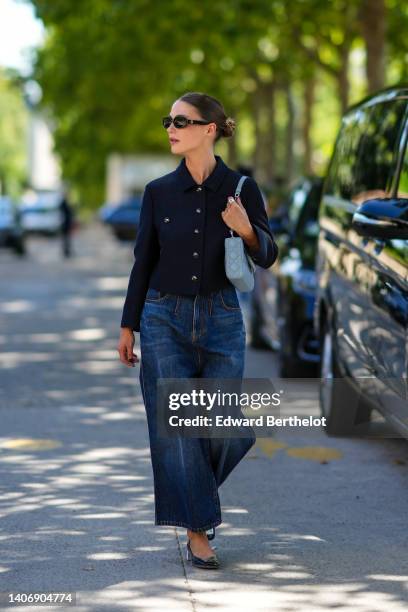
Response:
column 110, row 69
column 13, row 137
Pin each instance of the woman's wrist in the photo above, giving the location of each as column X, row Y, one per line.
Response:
column 250, row 238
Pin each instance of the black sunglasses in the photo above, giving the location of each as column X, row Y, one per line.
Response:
column 180, row 121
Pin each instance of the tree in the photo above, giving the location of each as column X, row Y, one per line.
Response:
column 13, row 136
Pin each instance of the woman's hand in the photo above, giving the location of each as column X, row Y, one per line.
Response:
column 125, row 347
column 235, row 216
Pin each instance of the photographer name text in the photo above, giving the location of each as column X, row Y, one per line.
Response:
column 227, row 421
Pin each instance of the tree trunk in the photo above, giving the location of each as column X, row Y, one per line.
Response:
column 372, row 18
column 256, row 101
column 343, row 79
column 232, row 151
column 290, row 133
column 264, row 159
column 307, row 123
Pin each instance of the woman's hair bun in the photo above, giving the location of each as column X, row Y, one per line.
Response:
column 229, row 127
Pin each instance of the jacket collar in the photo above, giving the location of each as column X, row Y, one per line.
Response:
column 213, row 181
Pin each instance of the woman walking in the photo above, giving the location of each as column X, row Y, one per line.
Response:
column 187, row 311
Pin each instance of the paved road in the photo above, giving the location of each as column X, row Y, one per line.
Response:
column 310, row 523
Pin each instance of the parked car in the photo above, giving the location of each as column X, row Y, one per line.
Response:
column 41, row 213
column 11, row 230
column 123, row 218
column 361, row 307
column 283, row 305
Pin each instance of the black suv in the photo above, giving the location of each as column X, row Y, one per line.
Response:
column 361, row 306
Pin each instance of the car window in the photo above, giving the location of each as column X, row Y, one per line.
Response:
column 363, row 164
column 308, row 220
column 296, row 203
column 402, row 191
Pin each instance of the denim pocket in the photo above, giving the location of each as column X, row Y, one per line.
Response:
column 229, row 299
column 155, row 295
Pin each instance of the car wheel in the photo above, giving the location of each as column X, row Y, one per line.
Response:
column 340, row 401
column 290, row 366
column 257, row 342
column 20, row 249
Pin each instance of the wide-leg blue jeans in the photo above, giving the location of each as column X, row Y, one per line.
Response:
column 190, row 337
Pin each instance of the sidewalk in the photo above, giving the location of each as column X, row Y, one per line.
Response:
column 308, row 522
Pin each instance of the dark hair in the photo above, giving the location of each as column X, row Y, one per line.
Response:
column 211, row 109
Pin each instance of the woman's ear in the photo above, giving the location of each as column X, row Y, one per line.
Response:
column 211, row 128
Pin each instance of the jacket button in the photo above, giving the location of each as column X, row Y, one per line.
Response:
column 199, row 188
column 198, row 209
column 196, row 231
column 195, row 254
column 194, row 278
column 166, row 219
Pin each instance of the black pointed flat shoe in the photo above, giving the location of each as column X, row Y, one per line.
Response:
column 210, row 563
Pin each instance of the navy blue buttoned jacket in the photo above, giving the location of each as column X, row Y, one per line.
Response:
column 179, row 246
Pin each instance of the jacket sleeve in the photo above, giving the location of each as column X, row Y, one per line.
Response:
column 146, row 252
column 252, row 200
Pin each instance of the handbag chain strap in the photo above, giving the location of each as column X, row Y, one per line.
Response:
column 237, row 192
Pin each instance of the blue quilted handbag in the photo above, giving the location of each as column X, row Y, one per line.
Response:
column 239, row 266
